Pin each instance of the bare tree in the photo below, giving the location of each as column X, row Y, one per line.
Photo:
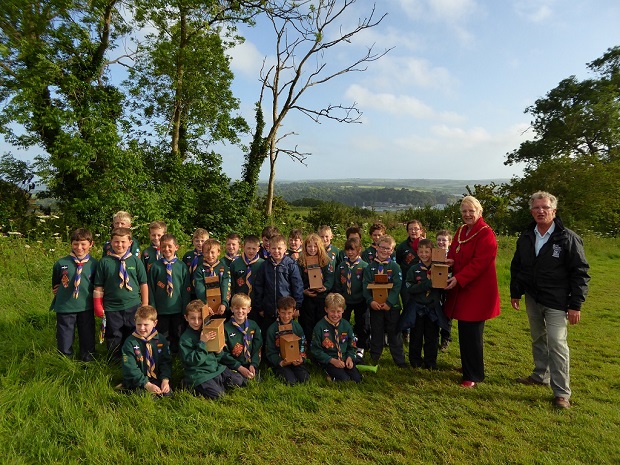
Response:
column 306, row 32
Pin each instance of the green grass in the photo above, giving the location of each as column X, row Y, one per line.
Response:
column 54, row 410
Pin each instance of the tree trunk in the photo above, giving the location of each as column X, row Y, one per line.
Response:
column 178, row 93
column 272, row 178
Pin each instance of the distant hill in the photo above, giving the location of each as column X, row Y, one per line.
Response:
column 377, row 192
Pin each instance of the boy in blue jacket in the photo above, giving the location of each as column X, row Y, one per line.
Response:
column 277, row 276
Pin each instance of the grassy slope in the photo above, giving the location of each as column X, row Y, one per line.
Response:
column 54, row 410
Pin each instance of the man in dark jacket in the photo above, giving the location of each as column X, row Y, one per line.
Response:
column 550, row 268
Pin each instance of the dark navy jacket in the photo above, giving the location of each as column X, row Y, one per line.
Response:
column 274, row 281
column 556, row 278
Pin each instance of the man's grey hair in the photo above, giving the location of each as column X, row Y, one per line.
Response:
column 553, row 200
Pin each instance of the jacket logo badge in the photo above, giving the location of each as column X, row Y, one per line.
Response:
column 556, row 251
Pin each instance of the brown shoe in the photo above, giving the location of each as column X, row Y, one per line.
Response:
column 561, row 402
column 529, row 381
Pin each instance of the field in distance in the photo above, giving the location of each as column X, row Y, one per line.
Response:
column 369, row 192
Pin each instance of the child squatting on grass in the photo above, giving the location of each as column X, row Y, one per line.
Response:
column 146, row 356
column 291, row 371
column 333, row 342
column 243, row 339
column 203, row 371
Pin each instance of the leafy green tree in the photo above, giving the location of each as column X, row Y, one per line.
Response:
column 180, row 81
column 575, row 153
column 433, row 219
column 338, row 215
column 56, row 94
column 15, row 183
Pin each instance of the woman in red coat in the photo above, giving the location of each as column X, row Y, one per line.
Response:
column 473, row 295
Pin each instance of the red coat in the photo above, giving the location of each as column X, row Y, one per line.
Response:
column 476, row 296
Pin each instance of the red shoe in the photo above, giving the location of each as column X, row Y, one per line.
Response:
column 468, row 384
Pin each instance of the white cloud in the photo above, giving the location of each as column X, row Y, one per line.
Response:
column 393, row 71
column 455, row 14
column 442, row 139
column 534, row 10
column 389, row 37
column 453, row 11
column 246, row 59
column 449, row 11
column 403, row 105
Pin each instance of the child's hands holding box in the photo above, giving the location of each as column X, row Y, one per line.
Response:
column 208, row 336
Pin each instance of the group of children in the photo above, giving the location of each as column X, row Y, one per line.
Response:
column 302, row 290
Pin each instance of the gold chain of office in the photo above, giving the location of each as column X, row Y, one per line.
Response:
column 458, row 248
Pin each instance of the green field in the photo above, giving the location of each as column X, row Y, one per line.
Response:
column 54, row 410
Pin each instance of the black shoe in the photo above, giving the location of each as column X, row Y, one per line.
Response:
column 529, row 381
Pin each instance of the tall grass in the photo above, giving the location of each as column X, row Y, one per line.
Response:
column 55, row 410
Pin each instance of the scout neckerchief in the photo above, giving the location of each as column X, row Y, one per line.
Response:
column 122, row 271
column 169, row 285
column 292, row 252
column 414, row 244
column 209, row 269
column 427, row 270
column 157, row 252
column 231, row 257
column 329, row 252
column 382, row 264
column 248, row 271
column 351, row 266
column 247, row 337
column 194, row 262
column 336, row 336
column 78, row 274
column 459, row 235
column 265, row 253
column 372, row 253
column 150, row 361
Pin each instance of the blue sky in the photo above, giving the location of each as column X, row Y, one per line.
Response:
column 447, row 102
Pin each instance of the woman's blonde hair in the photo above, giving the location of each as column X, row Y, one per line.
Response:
column 473, row 201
